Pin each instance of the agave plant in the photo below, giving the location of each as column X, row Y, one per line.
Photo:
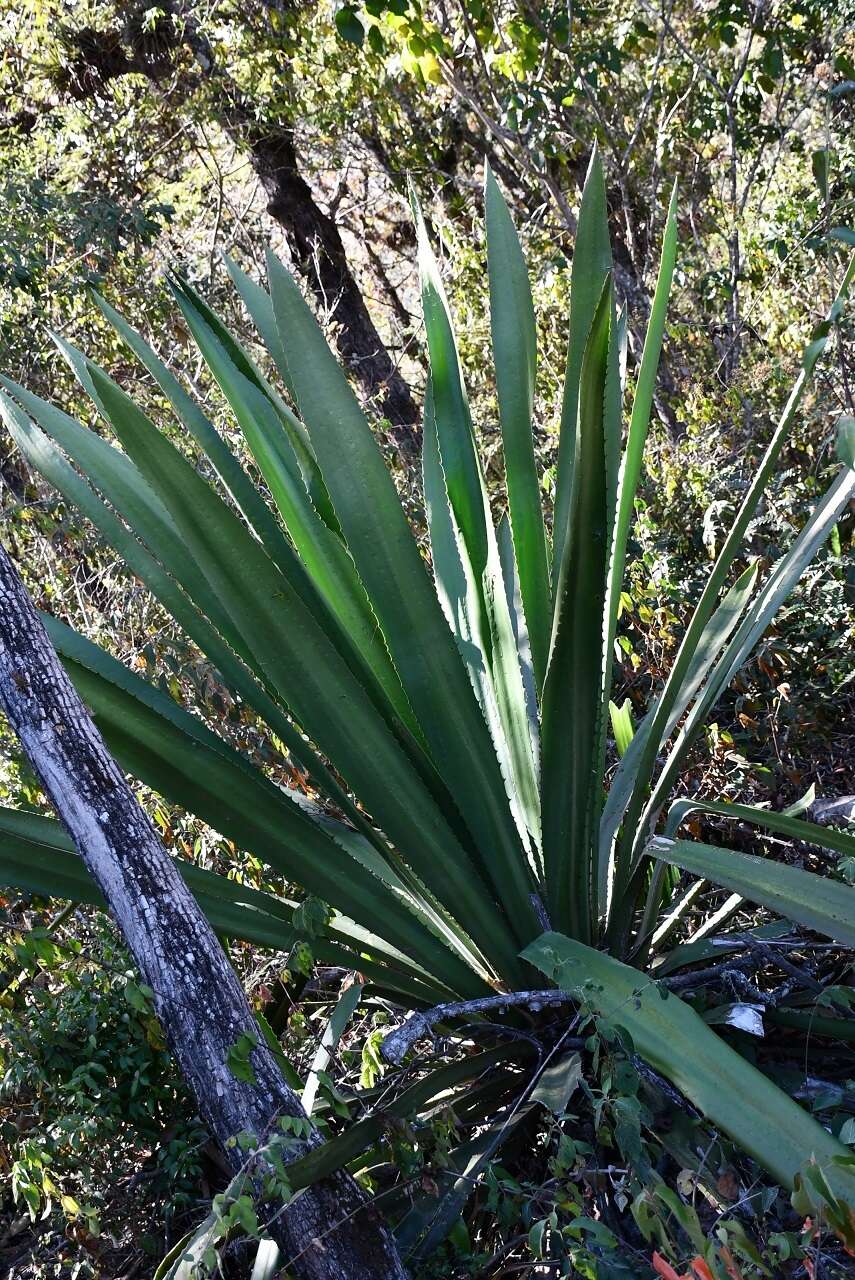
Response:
column 470, row 835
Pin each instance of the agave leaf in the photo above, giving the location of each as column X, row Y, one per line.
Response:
column 814, row 1024
column 716, row 633
column 462, row 602
column 259, row 307
column 515, row 357
column 688, row 953
column 845, row 442
column 45, row 457
column 194, row 308
column 675, row 1041
column 326, row 558
column 246, row 497
column 633, row 829
column 818, row 903
column 334, row 1030
column 184, row 761
column 225, row 356
column 572, row 694
column 775, row 590
column 612, row 417
column 630, row 468
column 626, row 483
column 388, row 561
column 519, row 625
column 612, row 432
column 114, row 474
column 623, row 345
column 783, row 823
column 37, row 854
column 592, row 262
column 457, row 450
column 460, row 466
column 299, row 661
column 455, row 584
column 622, row 725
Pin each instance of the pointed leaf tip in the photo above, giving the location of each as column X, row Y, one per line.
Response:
column 415, row 203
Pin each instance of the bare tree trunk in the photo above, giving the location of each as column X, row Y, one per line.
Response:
column 317, row 249
column 330, row 1231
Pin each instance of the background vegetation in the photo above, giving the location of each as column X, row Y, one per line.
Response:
column 136, row 138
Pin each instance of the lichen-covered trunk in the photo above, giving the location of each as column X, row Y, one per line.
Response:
column 330, row 1231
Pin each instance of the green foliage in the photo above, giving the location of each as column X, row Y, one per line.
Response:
column 91, row 229
column 85, row 1076
column 432, row 724
column 234, row 1209
column 238, row 1057
column 104, row 188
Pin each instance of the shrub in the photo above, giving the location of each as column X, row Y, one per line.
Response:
column 470, row 836
column 87, row 1086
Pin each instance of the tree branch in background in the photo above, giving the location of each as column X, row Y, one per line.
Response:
column 318, row 252
column 330, row 1231
column 98, row 57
